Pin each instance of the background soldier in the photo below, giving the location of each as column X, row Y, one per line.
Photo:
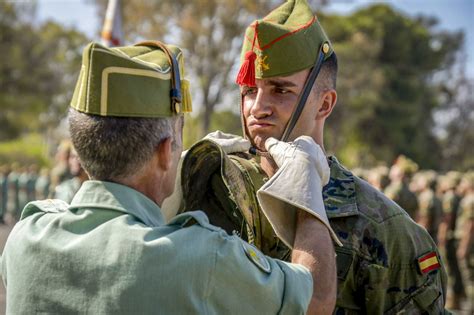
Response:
column 429, row 206
column 31, row 184
column 43, row 184
column 3, row 190
column 60, row 172
column 448, row 184
column 465, row 234
column 12, row 196
column 398, row 190
column 378, row 177
column 68, row 188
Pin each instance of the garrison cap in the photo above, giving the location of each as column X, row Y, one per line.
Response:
column 144, row 80
column 284, row 42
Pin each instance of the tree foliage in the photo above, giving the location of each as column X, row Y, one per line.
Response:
column 211, row 33
column 38, row 70
column 387, row 92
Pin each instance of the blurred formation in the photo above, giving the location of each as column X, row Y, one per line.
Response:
column 20, row 184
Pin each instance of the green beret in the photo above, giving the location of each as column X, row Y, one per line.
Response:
column 145, row 80
column 284, row 42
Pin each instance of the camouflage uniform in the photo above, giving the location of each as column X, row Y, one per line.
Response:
column 466, row 216
column 450, row 204
column 430, row 206
column 377, row 267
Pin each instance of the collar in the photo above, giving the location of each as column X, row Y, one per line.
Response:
column 112, row 196
column 339, row 194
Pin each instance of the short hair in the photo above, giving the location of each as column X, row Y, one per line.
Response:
column 113, row 148
column 328, row 74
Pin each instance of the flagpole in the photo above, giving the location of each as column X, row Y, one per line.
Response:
column 112, row 34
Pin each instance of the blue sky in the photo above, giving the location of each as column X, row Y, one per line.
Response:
column 452, row 14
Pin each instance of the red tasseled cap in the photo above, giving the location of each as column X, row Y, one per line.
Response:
column 246, row 74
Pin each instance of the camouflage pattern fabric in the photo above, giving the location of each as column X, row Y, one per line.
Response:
column 377, row 267
column 230, row 198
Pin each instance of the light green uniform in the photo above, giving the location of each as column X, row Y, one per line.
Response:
column 67, row 189
column 110, row 252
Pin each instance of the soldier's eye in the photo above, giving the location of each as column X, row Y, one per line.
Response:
column 281, row 90
column 248, row 90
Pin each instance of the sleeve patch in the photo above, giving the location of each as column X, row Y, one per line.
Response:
column 255, row 256
column 428, row 262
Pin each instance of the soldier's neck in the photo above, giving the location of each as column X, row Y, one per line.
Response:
column 268, row 166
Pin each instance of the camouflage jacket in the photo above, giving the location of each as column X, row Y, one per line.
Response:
column 381, row 268
column 388, row 263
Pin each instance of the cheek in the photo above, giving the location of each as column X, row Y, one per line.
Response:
column 247, row 104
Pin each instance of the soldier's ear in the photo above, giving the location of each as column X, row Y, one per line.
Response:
column 165, row 155
column 328, row 101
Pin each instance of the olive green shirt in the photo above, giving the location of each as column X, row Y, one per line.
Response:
column 110, row 252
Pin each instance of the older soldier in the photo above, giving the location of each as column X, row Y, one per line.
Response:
column 388, row 263
column 110, row 251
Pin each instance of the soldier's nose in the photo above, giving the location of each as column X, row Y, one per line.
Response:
column 261, row 107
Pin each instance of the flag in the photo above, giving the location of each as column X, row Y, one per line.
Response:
column 112, row 34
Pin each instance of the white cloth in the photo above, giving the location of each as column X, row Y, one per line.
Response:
column 228, row 142
column 298, row 183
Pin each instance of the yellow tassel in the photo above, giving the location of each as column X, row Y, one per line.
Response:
column 186, row 102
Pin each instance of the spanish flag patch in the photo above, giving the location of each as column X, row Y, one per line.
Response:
column 428, row 262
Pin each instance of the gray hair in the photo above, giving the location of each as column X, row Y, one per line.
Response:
column 113, row 148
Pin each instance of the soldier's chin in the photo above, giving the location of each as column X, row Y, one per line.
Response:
column 259, row 142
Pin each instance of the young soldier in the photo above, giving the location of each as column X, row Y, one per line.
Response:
column 110, row 251
column 388, row 263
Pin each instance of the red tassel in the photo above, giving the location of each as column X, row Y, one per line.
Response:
column 246, row 74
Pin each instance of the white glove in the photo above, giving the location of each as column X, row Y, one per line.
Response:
column 298, row 183
column 228, row 142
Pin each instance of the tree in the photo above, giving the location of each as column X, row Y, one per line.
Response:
column 210, row 31
column 387, row 92
column 38, row 70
